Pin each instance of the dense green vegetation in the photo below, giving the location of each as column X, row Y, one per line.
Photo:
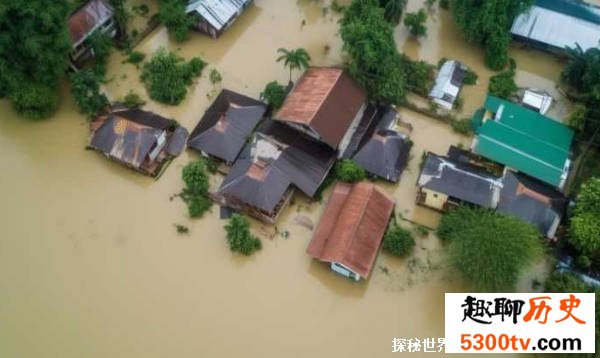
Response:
column 297, row 59
column 488, row 23
column 374, row 60
column 489, row 250
column 172, row 15
column 239, row 237
column 133, row 100
column 415, row 21
column 398, row 241
column 135, row 57
column 503, row 84
column 166, row 76
column 393, row 9
column 34, row 47
column 273, row 94
column 347, row 170
column 420, row 75
column 195, row 192
column 584, row 231
column 85, row 87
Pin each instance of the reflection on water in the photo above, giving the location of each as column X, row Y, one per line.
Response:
column 91, row 265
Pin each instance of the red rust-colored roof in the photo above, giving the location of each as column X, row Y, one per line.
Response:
column 85, row 19
column 325, row 99
column 352, row 226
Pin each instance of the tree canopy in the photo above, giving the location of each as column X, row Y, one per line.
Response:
column 393, row 10
column 398, row 241
column 274, row 95
column 374, row 59
column 584, row 231
column 415, row 21
column 239, row 237
column 34, row 47
column 85, row 87
column 488, row 23
column 195, row 192
column 176, row 20
column 489, row 250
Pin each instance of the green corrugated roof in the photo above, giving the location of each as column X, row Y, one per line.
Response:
column 524, row 140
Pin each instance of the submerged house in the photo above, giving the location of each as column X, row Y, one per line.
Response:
column 276, row 161
column 523, row 140
column 446, row 183
column 351, row 228
column 376, row 147
column 138, row 139
column 533, row 202
column 213, row 17
column 226, row 125
column 95, row 15
column 325, row 104
column 556, row 24
column 448, row 83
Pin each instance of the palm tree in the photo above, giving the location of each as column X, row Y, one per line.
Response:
column 297, row 59
column 393, row 10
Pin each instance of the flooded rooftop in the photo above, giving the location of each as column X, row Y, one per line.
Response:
column 91, row 264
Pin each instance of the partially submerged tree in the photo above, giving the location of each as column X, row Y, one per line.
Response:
column 297, row 59
column 166, row 76
column 490, row 250
column 415, row 21
column 374, row 59
column 488, row 23
column 398, row 241
column 348, row 171
column 195, row 193
column 584, row 231
column 176, row 20
column 274, row 95
column 85, row 87
column 239, row 237
column 393, row 10
column 34, row 47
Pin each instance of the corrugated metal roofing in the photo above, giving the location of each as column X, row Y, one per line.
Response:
column 352, row 226
column 217, row 12
column 525, row 140
column 448, row 83
column 560, row 23
column 87, row 18
column 325, row 99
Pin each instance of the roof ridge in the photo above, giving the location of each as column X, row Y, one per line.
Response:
column 326, row 96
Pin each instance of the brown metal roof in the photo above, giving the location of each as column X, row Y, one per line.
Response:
column 83, row 21
column 352, row 226
column 325, row 99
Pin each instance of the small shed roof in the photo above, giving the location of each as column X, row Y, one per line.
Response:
column 524, row 140
column 460, row 181
column 352, row 226
column 560, row 23
column 226, row 125
column 448, row 83
column 87, row 19
column 217, row 12
column 326, row 100
column 532, row 202
column 385, row 154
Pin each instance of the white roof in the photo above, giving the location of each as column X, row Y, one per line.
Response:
column 217, row 12
column 557, row 29
column 540, row 101
column 444, row 92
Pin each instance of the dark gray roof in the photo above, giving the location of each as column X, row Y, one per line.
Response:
column 226, row 125
column 460, row 181
column 531, row 201
column 177, row 142
column 262, row 182
column 385, row 155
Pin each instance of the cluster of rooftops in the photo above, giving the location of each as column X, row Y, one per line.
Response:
column 517, row 165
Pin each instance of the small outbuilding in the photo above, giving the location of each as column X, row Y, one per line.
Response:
column 351, row 228
column 326, row 104
column 95, row 15
column 226, row 126
column 213, row 17
column 448, row 83
column 138, row 139
column 445, row 184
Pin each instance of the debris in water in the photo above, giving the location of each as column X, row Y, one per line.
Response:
column 304, row 221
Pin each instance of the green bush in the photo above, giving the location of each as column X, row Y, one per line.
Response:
column 172, row 14
column 215, row 76
column 398, row 241
column 85, row 87
column 584, row 231
column 415, row 21
column 101, row 44
column 195, row 193
column 490, row 250
column 166, row 76
column 34, row 100
column 445, row 4
column 198, row 205
column 462, row 126
column 133, row 100
column 136, row 57
column 239, row 237
column 583, row 262
column 348, row 171
column 470, row 78
column 274, row 95
column 503, row 84
column 419, row 75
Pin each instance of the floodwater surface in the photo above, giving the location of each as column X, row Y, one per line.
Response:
column 91, row 264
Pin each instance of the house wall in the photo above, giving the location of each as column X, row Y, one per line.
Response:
column 344, row 271
column 433, row 199
column 351, row 130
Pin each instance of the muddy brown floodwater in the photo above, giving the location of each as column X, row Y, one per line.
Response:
column 91, row 264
